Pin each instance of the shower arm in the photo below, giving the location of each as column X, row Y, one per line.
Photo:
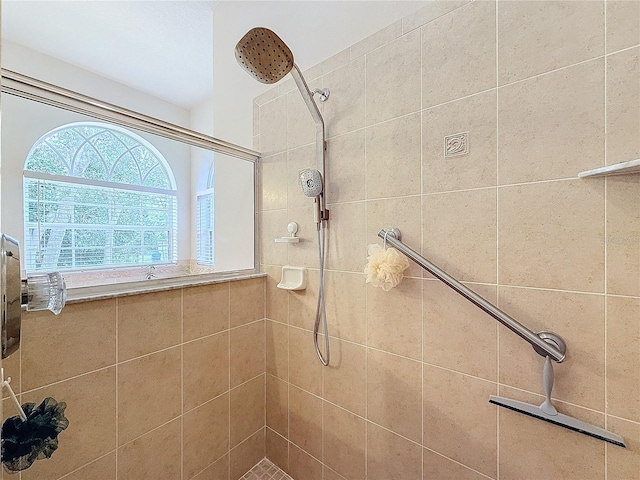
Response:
column 321, row 144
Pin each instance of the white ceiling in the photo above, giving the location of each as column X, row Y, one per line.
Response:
column 166, row 47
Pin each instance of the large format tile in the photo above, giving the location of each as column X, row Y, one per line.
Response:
column 345, row 377
column 244, row 456
column 623, row 24
column 344, row 176
column 552, row 235
column 247, row 411
column 80, row 340
column 303, row 465
column 147, row 393
column 623, row 462
column 539, row 36
column 206, row 369
column 89, row 435
column 306, row 370
column 344, row 112
column 273, row 121
column 247, row 301
column 393, row 79
column 459, row 54
column 440, row 467
column 552, row 126
column 205, row 310
column 344, row 442
column 476, row 117
column 391, row 456
column 102, row 469
column 430, row 12
column 305, row 421
column 149, row 322
column 277, row 405
column 394, row 394
column 247, row 352
column 346, row 314
column 274, row 181
column 277, row 349
column 346, row 237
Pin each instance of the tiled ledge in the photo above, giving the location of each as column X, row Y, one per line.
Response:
column 99, row 292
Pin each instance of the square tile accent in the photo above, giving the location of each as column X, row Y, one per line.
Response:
column 265, row 470
column 456, row 144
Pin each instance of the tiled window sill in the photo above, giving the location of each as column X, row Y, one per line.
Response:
column 80, row 293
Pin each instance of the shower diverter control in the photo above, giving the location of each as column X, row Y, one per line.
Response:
column 46, row 291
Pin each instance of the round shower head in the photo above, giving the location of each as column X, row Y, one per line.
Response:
column 310, row 181
column 264, row 55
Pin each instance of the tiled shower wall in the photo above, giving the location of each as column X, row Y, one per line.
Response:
column 166, row 385
column 543, row 90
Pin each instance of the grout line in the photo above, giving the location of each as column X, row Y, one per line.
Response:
column 461, row 464
column 497, row 179
column 366, row 290
column 66, row 475
column 606, row 282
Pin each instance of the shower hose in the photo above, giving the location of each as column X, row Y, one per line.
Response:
column 321, row 314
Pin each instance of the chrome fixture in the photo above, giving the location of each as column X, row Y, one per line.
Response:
column 268, row 59
column 547, row 344
column 44, row 291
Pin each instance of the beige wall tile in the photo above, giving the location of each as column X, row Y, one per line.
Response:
column 344, row 176
column 299, row 159
column 394, row 393
column 459, row 421
column 552, row 235
column 247, row 409
column 334, row 62
column 623, row 462
column 391, row 456
column 304, row 253
column 430, row 12
column 623, row 353
column 273, row 133
column 277, row 404
column 247, row 352
column 218, row 471
column 404, row 213
column 393, row 79
column 147, row 393
column 88, row 435
column 11, row 366
column 345, row 313
column 305, row 421
column 247, row 301
column 344, row 442
column 206, row 369
column 301, row 129
column 552, row 126
column 273, row 224
column 274, row 181
column 345, row 110
column 277, row 449
column 442, row 468
column 277, row 350
column 538, row 36
column 267, row 96
column 80, row 340
column 205, row 435
column 346, row 238
column 154, row 455
column 102, row 469
column 345, row 377
column 377, row 40
column 246, row 455
column 306, row 369
column 149, row 322
column 531, row 448
column 277, row 299
column 393, row 158
column 623, row 24
column 459, row 54
column 303, row 465
column 459, row 232
column 394, row 318
column 623, row 104
column 330, row 474
column 579, row 320
column 477, row 116
column 205, row 310
column 457, row 334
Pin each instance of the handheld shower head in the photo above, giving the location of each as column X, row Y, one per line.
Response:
column 264, row 55
column 311, row 182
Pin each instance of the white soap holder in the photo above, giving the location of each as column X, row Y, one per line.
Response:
column 293, row 278
column 292, row 228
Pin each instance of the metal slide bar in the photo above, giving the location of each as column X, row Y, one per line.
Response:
column 543, row 343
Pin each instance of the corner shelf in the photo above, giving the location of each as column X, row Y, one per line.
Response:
column 632, row 166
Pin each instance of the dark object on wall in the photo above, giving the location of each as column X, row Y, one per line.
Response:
column 25, row 441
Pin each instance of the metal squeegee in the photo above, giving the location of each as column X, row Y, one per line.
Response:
column 547, row 344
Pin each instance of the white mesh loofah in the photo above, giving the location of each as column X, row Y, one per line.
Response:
column 385, row 267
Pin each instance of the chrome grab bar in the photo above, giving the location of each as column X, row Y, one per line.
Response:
column 544, row 343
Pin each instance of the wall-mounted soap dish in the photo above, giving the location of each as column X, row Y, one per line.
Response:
column 292, row 228
column 293, row 278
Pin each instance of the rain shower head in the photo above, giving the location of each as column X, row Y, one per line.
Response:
column 311, row 182
column 264, row 55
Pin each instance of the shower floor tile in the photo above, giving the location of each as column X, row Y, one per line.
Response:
column 265, row 470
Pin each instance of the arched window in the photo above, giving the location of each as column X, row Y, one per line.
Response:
column 97, row 196
column 205, row 223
